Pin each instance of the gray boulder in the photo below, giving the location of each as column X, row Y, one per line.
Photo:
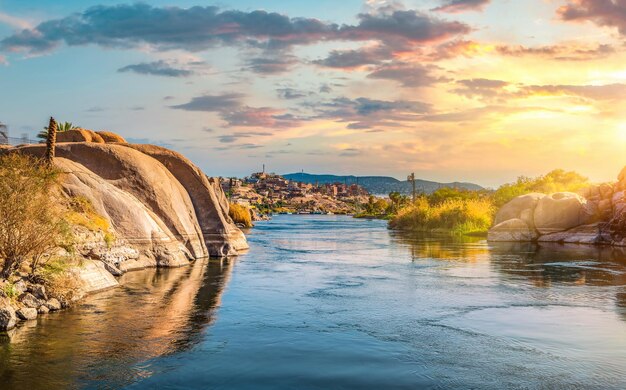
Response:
column 29, row 300
column 512, row 230
column 53, row 304
column 522, row 207
column 38, row 291
column 7, row 318
column 27, row 313
column 561, row 211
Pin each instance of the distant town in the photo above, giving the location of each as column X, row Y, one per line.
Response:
column 272, row 193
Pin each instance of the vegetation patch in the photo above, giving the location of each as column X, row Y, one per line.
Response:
column 240, row 215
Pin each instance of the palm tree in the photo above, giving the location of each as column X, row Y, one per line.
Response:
column 51, row 141
column 65, row 126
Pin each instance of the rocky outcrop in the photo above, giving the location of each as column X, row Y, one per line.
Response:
column 595, row 215
column 221, row 236
column 162, row 210
column 512, row 230
column 79, row 135
column 110, row 137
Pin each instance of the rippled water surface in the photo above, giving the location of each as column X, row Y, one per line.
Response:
column 334, row 302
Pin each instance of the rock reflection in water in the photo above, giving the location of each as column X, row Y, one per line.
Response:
column 540, row 265
column 155, row 312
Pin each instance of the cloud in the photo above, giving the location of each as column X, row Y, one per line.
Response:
column 559, row 52
column 290, row 93
column 608, row 13
column 199, row 28
column 231, row 109
column 14, row 21
column 456, row 6
column 409, row 75
column 486, row 89
column 230, row 138
column 212, row 103
column 365, row 113
column 271, row 65
column 350, row 59
column 157, row 68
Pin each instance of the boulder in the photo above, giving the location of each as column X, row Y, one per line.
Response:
column 43, row 309
column 53, row 304
column 110, row 137
column 38, row 291
column 8, row 318
column 27, row 313
column 221, row 236
column 511, row 230
column 20, row 287
column 94, row 277
column 583, row 234
column 79, row 135
column 522, row 207
column 29, row 300
column 561, row 211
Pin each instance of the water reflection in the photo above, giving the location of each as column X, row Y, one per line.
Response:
column 100, row 342
column 540, row 265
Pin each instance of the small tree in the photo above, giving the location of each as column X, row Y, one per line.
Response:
column 31, row 222
column 61, row 127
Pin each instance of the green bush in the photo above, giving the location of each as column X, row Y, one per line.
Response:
column 457, row 216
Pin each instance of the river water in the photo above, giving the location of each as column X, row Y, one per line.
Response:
column 332, row 302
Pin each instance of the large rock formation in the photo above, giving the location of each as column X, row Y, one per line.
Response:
column 596, row 215
column 161, row 208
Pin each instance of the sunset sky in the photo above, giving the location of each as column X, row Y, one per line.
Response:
column 471, row 90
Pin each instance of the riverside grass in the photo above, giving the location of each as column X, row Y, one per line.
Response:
column 455, row 216
column 240, row 215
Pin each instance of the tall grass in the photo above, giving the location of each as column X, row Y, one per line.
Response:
column 456, row 216
column 240, row 215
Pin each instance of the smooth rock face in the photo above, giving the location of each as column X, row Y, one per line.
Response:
column 522, row 207
column 27, row 313
column 220, row 234
column 560, row 211
column 8, row 319
column 512, row 230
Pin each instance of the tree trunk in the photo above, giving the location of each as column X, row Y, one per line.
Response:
column 8, row 268
column 51, row 141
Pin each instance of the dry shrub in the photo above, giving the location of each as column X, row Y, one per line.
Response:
column 31, row 222
column 240, row 215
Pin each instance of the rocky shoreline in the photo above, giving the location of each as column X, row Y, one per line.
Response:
column 596, row 215
column 162, row 210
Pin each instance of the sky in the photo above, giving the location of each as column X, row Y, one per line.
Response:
column 453, row 90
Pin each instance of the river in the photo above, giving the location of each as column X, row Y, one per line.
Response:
column 332, row 302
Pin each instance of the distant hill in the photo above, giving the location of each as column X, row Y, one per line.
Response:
column 379, row 185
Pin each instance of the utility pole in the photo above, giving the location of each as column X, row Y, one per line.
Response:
column 411, row 178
